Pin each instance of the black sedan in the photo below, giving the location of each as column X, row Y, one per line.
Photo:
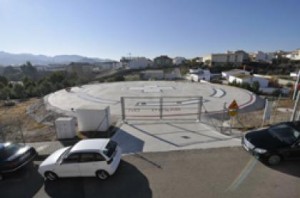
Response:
column 273, row 144
column 14, row 156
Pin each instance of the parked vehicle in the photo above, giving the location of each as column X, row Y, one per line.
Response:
column 14, row 156
column 274, row 144
column 87, row 158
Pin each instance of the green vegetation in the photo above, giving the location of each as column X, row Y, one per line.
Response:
column 32, row 84
column 254, row 87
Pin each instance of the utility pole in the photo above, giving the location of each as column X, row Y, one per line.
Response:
column 296, row 86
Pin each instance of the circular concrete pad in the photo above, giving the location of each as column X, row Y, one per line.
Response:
column 108, row 94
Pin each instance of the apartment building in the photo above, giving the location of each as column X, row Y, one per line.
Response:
column 136, row 62
column 263, row 57
column 237, row 58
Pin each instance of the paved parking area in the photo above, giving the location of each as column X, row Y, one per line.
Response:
column 136, row 137
column 221, row 172
column 150, row 136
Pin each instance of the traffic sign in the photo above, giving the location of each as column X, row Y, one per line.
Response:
column 233, row 108
column 233, row 105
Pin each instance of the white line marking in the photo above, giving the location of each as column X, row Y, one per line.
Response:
column 243, row 175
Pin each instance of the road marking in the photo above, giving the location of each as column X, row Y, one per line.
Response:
column 40, row 148
column 243, row 175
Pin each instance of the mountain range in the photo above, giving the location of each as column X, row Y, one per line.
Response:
column 19, row 59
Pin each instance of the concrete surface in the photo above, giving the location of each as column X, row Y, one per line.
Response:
column 108, row 94
column 209, row 173
column 136, row 137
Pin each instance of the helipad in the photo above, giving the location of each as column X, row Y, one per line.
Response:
column 109, row 94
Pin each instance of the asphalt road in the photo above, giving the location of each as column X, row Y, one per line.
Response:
column 223, row 172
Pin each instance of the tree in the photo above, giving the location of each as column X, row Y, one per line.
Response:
column 3, row 80
column 119, row 78
column 27, row 82
column 12, row 73
column 29, row 71
column 57, row 77
column 5, row 93
column 255, row 87
column 19, row 91
column 246, row 85
column 32, row 91
column 44, row 88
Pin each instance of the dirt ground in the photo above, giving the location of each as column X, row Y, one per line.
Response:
column 17, row 125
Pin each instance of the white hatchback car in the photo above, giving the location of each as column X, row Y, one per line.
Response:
column 91, row 157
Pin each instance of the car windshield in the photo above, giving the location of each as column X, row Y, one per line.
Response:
column 64, row 155
column 284, row 133
column 110, row 148
column 8, row 150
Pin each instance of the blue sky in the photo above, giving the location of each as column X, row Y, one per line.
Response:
column 115, row 28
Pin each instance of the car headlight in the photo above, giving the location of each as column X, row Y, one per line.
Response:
column 260, row 151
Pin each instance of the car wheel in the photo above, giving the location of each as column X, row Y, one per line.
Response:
column 51, row 176
column 101, row 174
column 274, row 159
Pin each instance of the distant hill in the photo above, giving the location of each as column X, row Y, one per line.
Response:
column 19, row 59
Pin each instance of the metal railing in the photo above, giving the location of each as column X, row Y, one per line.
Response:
column 162, row 108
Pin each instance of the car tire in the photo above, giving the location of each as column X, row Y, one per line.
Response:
column 102, row 174
column 51, row 176
column 274, row 159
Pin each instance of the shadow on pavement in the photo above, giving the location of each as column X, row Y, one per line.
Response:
column 128, row 142
column 26, row 182
column 290, row 167
column 128, row 181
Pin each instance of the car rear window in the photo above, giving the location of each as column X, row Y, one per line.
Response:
column 110, row 148
column 8, row 150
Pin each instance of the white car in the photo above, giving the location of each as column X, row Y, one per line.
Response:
column 91, row 157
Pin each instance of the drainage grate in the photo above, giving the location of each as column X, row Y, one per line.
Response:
column 185, row 137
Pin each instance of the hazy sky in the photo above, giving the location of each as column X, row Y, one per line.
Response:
column 115, row 28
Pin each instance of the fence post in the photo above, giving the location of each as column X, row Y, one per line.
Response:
column 21, row 130
column 123, row 108
column 296, row 86
column 295, row 108
column 160, row 107
column 223, row 116
column 200, row 108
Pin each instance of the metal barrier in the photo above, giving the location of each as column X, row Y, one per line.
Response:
column 162, row 108
column 193, row 108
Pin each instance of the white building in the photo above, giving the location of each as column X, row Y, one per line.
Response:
column 136, row 62
column 244, row 78
column 227, row 74
column 237, row 58
column 178, row 60
column 295, row 55
column 260, row 56
column 160, row 75
column 197, row 75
